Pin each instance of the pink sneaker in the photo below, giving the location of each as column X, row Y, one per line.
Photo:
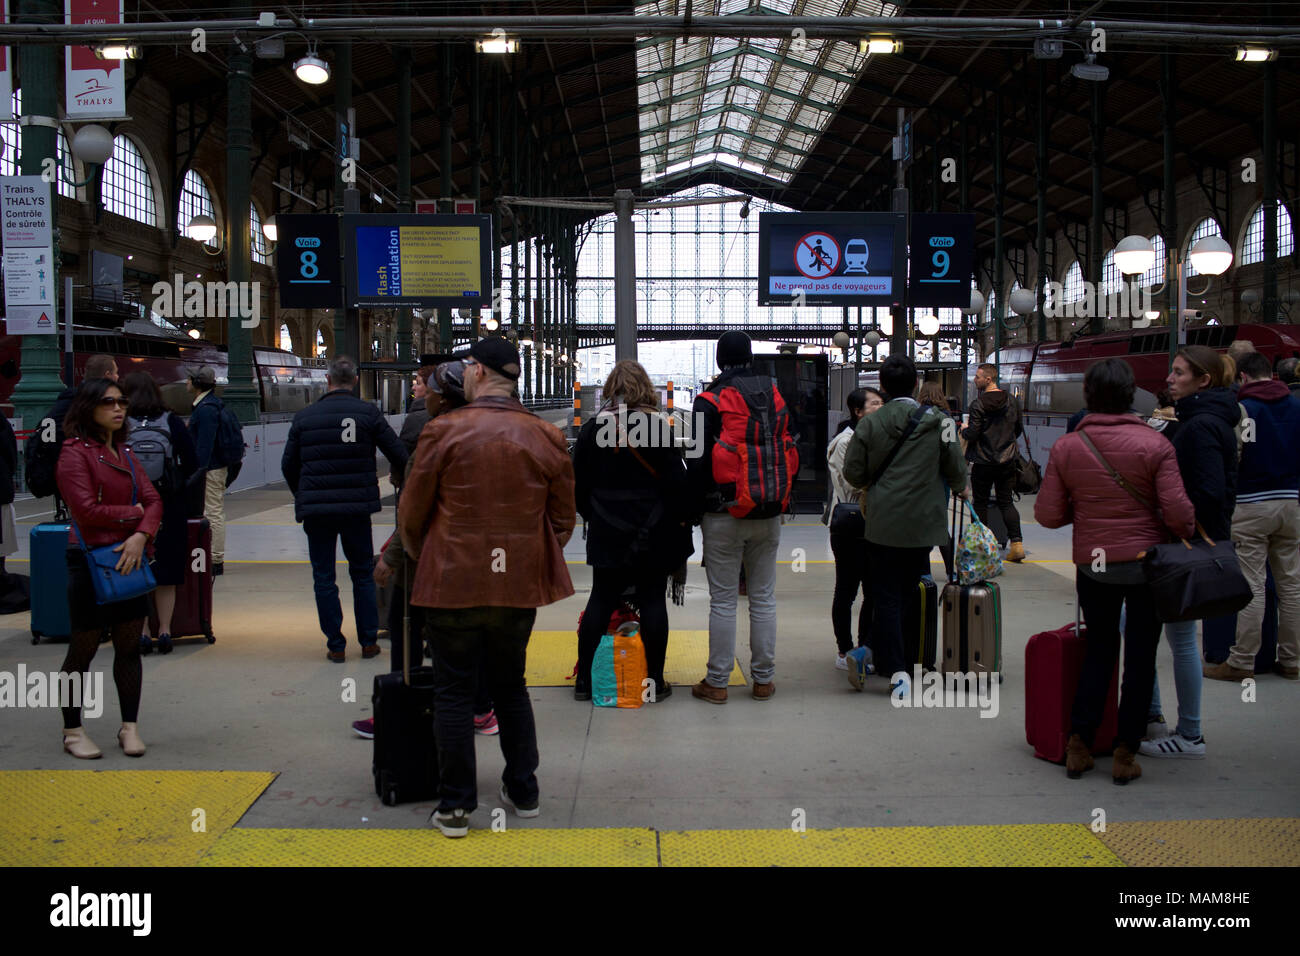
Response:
column 486, row 724
column 364, row 728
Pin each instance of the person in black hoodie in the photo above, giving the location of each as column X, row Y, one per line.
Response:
column 630, row 488
column 1206, row 445
column 995, row 424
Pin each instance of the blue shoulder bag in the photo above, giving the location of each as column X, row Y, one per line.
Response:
column 111, row 585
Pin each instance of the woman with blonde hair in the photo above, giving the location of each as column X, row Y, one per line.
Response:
column 630, row 488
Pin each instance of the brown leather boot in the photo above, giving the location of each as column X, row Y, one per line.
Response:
column 1016, row 552
column 79, row 745
column 1125, row 767
column 1078, row 759
column 128, row 738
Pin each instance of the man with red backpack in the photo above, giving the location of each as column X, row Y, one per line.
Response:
column 741, row 483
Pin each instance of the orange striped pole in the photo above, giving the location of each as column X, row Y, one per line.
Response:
column 577, row 405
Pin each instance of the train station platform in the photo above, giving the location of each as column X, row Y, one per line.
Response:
column 251, row 736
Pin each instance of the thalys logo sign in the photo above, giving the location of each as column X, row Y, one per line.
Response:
column 95, row 88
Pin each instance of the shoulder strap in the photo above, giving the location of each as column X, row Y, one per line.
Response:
column 912, row 421
column 1119, row 479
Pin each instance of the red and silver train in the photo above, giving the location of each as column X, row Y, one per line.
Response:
column 286, row 381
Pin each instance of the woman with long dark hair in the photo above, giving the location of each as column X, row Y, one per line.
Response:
column 630, row 488
column 1206, row 413
column 111, row 502
column 848, row 541
column 154, row 427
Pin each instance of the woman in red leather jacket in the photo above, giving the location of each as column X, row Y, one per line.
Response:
column 96, row 482
column 1111, row 529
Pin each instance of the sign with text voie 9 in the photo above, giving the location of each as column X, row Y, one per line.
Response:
column 419, row 261
column 831, row 258
column 307, row 262
column 942, row 260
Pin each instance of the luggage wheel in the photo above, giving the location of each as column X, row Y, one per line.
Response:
column 36, row 637
column 211, row 638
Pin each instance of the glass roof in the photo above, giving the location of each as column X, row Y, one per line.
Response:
column 756, row 105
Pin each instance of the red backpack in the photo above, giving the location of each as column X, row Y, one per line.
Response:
column 754, row 451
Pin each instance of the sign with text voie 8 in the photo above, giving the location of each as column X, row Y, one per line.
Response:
column 831, row 258
column 942, row 260
column 307, row 262
column 420, row 261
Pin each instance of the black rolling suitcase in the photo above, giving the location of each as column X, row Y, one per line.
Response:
column 921, row 624
column 406, row 751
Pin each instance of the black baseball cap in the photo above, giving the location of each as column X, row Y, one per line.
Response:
column 497, row 354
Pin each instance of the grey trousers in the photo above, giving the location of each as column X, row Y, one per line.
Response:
column 728, row 542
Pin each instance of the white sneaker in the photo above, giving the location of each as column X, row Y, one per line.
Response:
column 1157, row 729
column 841, row 663
column 1175, row 745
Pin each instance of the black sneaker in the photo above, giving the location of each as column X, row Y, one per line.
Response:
column 452, row 823
column 581, row 690
column 525, row 810
column 218, row 569
column 663, row 690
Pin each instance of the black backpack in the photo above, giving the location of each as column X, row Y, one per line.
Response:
column 41, row 459
column 230, row 437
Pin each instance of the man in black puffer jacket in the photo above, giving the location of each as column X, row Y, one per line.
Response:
column 329, row 463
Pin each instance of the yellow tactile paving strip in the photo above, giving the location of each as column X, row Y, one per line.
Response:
column 1050, row 844
column 119, row 817
column 552, row 654
column 482, row 847
column 142, row 818
column 1239, row 842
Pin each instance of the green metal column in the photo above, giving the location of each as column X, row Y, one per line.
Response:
column 1169, row 201
column 445, row 117
column 40, row 66
column 341, row 137
column 999, row 248
column 1097, row 323
column 1041, row 171
column 241, row 393
column 406, row 348
column 1268, row 179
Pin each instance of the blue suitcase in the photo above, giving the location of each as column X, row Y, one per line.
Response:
column 1220, row 633
column 49, row 574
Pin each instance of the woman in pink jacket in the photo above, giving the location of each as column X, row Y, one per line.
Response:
column 1111, row 530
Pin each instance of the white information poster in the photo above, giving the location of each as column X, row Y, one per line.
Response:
column 27, row 236
column 6, row 73
column 95, row 88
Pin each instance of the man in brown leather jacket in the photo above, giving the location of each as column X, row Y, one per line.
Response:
column 486, row 511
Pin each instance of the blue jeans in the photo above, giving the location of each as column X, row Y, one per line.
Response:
column 1186, row 648
column 359, row 549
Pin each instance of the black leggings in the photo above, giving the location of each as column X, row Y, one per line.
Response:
column 127, row 672
column 607, row 587
column 850, row 577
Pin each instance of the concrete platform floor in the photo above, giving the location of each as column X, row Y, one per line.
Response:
column 263, row 698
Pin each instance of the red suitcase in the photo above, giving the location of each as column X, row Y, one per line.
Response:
column 193, row 614
column 1053, row 662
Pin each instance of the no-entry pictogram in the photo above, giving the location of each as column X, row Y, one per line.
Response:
column 817, row 255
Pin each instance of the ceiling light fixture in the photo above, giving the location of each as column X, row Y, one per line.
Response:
column 311, row 68
column 121, row 50
column 1255, row 54
column 880, row 45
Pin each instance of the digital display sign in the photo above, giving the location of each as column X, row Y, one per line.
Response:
column 831, row 258
column 943, row 260
column 419, row 261
column 307, row 262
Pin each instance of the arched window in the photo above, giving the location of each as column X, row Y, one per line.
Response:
column 1252, row 248
column 320, row 344
column 1156, row 274
column 286, row 340
column 195, row 201
column 11, row 151
column 990, row 307
column 260, row 247
column 1111, row 278
column 1072, row 288
column 1206, row 227
column 126, row 186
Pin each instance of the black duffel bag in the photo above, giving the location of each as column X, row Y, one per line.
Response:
column 1194, row 580
column 1029, row 477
